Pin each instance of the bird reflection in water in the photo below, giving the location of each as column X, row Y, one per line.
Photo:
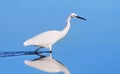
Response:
column 47, row 64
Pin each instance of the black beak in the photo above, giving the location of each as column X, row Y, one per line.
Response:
column 81, row 18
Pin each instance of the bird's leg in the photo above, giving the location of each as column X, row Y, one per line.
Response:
column 37, row 50
column 41, row 56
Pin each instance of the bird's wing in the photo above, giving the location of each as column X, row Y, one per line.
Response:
column 46, row 38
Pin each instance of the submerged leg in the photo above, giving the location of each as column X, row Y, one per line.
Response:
column 36, row 51
column 40, row 56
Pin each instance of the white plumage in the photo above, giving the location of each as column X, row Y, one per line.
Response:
column 48, row 38
column 45, row 39
column 47, row 64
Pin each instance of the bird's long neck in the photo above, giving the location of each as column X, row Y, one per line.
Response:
column 66, row 29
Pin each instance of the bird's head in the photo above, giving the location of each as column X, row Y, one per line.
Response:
column 73, row 15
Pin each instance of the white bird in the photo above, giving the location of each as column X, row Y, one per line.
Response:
column 48, row 38
column 47, row 64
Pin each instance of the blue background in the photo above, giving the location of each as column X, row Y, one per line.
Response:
column 90, row 47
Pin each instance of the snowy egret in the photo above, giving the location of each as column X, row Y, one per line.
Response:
column 48, row 38
column 47, row 64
